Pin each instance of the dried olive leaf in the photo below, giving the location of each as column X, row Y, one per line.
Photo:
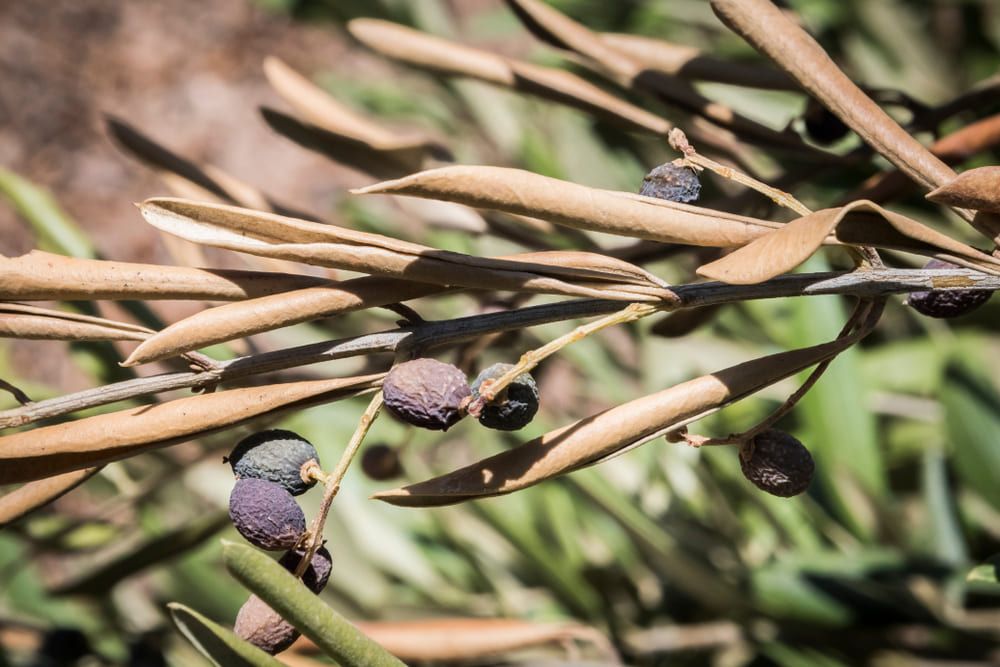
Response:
column 29, row 497
column 857, row 223
column 690, row 63
column 21, row 321
column 422, row 50
column 322, row 110
column 767, row 29
column 619, row 66
column 226, row 322
column 461, row 639
column 235, row 320
column 272, row 235
column 578, row 206
column 53, row 450
column 43, row 276
column 602, row 435
column 977, row 189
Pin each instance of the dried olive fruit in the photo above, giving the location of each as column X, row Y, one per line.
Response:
column 777, row 463
column 947, row 303
column 514, row 407
column 822, row 125
column 427, row 393
column 318, row 572
column 275, row 455
column 263, row 627
column 672, row 181
column 381, row 462
column 266, row 514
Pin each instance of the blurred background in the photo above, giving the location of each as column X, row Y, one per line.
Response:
column 667, row 551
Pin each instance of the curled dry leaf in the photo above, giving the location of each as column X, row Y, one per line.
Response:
column 858, row 223
column 272, row 235
column 43, row 276
column 422, row 50
column 454, row 639
column 602, row 435
column 688, row 62
column 618, row 65
column 92, row 441
column 767, row 29
column 977, row 189
column 29, row 497
column 322, row 110
column 578, row 206
column 230, row 321
column 21, row 321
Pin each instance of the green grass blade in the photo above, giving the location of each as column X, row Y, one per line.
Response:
column 333, row 633
column 59, row 232
column 218, row 643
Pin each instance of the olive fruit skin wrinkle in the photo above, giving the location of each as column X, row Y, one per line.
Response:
column 265, row 514
column 673, row 182
column 275, row 455
column 776, row 462
column 426, row 393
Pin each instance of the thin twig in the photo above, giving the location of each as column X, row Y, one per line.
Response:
column 864, row 283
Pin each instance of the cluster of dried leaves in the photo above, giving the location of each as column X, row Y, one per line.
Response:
column 219, row 211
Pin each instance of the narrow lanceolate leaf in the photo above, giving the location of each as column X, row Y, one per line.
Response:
column 33, row 495
column 43, row 276
column 21, row 321
column 858, row 223
column 53, row 450
column 322, row 110
column 277, row 236
column 977, row 189
column 422, row 50
column 604, row 434
column 236, row 320
column 230, row 321
column 689, row 63
column 218, row 643
column 621, row 67
column 578, row 206
column 333, row 633
column 455, row 639
column 767, row 29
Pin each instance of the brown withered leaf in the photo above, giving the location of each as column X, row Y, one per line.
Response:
column 31, row 322
column 33, row 495
column 322, row 110
column 858, row 223
column 771, row 32
column 270, row 235
column 93, row 441
column 628, row 72
column 689, row 63
column 602, row 435
column 978, row 189
column 578, row 206
column 230, row 321
column 422, row 50
column 43, row 276
column 460, row 639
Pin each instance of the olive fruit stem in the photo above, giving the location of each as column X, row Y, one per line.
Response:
column 331, row 482
column 532, row 358
column 679, row 141
column 863, row 319
column 863, row 255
